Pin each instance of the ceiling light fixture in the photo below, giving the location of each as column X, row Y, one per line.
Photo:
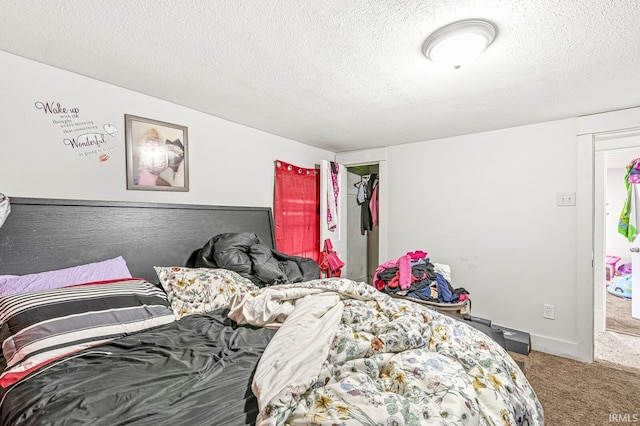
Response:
column 459, row 43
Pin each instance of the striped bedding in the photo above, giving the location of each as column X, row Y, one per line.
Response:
column 39, row 327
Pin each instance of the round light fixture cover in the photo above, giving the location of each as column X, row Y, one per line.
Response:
column 460, row 42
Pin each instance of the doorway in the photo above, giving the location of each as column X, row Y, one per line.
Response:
column 613, row 340
column 375, row 157
column 362, row 241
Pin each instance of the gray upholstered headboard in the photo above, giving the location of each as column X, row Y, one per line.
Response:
column 48, row 234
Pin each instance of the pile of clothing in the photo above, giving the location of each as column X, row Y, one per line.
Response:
column 413, row 275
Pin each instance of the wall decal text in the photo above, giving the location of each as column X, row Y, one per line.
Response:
column 83, row 136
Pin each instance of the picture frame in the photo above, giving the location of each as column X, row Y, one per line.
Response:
column 157, row 155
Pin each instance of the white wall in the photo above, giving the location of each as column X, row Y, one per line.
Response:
column 486, row 205
column 229, row 164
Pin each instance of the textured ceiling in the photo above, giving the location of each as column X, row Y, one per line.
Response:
column 343, row 75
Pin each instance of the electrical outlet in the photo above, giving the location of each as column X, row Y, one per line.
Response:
column 548, row 311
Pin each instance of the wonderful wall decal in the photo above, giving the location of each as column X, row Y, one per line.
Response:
column 81, row 135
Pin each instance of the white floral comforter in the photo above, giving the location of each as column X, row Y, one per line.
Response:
column 346, row 354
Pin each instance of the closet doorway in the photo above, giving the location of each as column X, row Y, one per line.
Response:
column 365, row 260
column 363, row 240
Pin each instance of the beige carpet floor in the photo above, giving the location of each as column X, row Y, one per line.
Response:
column 617, row 348
column 574, row 393
column 618, row 316
column 620, row 343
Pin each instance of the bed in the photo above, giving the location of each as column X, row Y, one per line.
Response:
column 214, row 348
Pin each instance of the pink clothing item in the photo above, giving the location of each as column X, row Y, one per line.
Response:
column 147, row 179
column 417, row 255
column 394, row 282
column 373, row 205
column 387, row 264
column 404, row 272
column 404, row 263
column 376, row 280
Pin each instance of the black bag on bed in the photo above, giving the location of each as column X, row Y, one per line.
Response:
column 246, row 254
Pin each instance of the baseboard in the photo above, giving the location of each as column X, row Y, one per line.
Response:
column 557, row 347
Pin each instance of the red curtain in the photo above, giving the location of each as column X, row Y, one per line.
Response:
column 297, row 210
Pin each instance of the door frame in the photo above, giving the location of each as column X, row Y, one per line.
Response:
column 589, row 128
column 602, row 144
column 366, row 157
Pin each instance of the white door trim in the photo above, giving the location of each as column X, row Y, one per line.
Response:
column 367, row 157
column 602, row 127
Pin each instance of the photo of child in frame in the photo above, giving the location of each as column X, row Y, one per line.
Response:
column 156, row 155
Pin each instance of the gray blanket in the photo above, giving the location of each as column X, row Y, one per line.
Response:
column 196, row 371
column 246, row 254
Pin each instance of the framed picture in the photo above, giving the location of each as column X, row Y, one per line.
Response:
column 157, row 155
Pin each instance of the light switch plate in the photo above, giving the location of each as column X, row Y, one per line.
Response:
column 566, row 198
